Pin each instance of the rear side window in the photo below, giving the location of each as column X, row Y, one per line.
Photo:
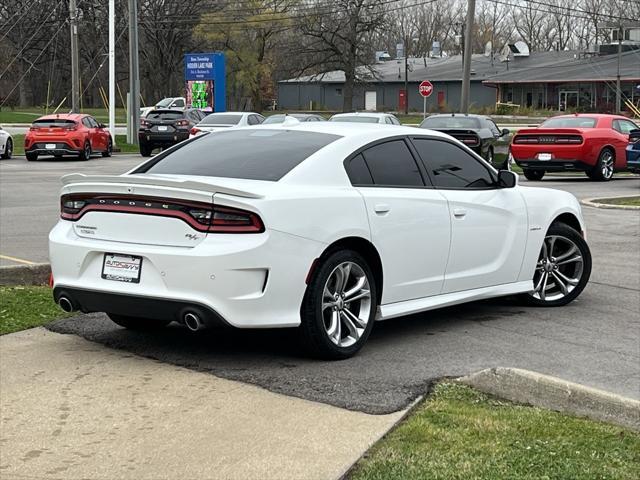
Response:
column 54, row 122
column 451, row 167
column 392, row 164
column 570, row 122
column 359, row 172
column 221, row 119
column 250, row 154
column 165, row 115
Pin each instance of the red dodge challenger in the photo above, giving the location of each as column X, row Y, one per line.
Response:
column 592, row 143
column 67, row 134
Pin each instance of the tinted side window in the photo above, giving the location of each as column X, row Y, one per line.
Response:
column 451, row 167
column 252, row 120
column 178, row 103
column 358, row 172
column 392, row 164
column 86, row 122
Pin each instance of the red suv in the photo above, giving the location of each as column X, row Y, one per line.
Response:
column 67, row 134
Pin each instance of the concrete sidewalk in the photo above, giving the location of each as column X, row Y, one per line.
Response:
column 73, row 409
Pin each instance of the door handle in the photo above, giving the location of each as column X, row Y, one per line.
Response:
column 382, row 208
column 459, row 212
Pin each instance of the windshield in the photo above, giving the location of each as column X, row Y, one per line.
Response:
column 570, row 122
column 450, row 122
column 221, row 119
column 164, row 115
column 238, row 153
column 355, row 119
column 54, row 122
column 165, row 102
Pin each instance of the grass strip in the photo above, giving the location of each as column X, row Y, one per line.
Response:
column 633, row 201
column 459, row 433
column 27, row 307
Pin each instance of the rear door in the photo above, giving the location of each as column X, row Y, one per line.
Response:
column 409, row 221
column 488, row 224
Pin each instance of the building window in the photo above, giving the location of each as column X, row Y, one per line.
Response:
column 338, row 91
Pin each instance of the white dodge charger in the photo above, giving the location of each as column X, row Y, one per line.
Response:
column 326, row 227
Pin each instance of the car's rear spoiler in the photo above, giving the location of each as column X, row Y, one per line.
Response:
column 141, row 179
column 549, row 131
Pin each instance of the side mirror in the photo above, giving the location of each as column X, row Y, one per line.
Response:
column 507, row 179
column 102, row 125
column 505, row 132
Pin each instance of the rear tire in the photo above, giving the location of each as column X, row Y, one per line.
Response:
column 85, row 154
column 339, row 306
column 8, row 149
column 135, row 323
column 563, row 268
column 145, row 150
column 603, row 171
column 31, row 156
column 533, row 175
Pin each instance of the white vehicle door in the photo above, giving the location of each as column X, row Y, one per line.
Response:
column 488, row 223
column 409, row 220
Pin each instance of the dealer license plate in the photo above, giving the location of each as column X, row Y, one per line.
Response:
column 544, row 156
column 122, row 268
column 162, row 128
column 50, row 146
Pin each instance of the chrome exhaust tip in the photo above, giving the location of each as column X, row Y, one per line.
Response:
column 192, row 322
column 65, row 304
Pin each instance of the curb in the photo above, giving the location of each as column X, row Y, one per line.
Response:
column 531, row 388
column 593, row 202
column 36, row 274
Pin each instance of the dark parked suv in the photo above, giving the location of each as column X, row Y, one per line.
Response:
column 164, row 128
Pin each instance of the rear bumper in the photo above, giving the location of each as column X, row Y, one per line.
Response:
column 252, row 281
column 88, row 301
column 60, row 149
column 151, row 138
column 553, row 165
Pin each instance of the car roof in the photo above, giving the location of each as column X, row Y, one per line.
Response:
column 233, row 113
column 589, row 115
column 470, row 115
column 364, row 114
column 68, row 116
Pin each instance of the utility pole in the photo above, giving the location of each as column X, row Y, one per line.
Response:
column 618, row 90
column 75, row 76
column 466, row 67
column 134, row 74
column 406, row 76
column 112, row 71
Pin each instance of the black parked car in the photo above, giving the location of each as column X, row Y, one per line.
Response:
column 477, row 132
column 164, row 128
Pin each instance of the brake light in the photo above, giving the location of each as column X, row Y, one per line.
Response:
column 201, row 216
column 194, row 131
column 182, row 123
column 144, row 123
column 549, row 139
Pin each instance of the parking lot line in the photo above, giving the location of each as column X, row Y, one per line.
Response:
column 17, row 260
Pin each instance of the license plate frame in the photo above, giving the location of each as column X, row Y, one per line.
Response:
column 114, row 267
column 545, row 157
column 163, row 128
column 50, row 146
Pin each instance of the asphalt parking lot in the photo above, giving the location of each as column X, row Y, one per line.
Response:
column 594, row 341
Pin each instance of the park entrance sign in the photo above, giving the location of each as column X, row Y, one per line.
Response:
column 425, row 89
column 204, row 77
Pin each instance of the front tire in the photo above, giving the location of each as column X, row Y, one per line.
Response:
column 563, row 268
column 603, row 171
column 533, row 175
column 136, row 323
column 339, row 306
column 8, row 149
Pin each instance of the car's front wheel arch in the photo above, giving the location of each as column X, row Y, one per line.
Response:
column 570, row 220
column 368, row 251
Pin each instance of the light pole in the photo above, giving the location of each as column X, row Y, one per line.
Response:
column 112, row 72
column 75, row 80
column 466, row 62
column 134, row 74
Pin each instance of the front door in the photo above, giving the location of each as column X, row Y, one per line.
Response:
column 488, row 224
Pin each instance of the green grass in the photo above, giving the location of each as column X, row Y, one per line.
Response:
column 459, row 433
column 633, row 201
column 121, row 143
column 26, row 307
column 29, row 114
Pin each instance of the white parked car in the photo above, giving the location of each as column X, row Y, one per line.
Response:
column 365, row 117
column 6, row 144
column 222, row 120
column 318, row 226
column 168, row 103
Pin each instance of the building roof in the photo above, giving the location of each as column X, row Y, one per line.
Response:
column 551, row 66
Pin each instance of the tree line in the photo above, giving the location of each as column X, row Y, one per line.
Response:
column 268, row 40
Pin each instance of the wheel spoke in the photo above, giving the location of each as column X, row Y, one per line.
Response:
column 543, row 287
column 573, row 249
column 552, row 242
column 560, row 283
column 353, row 331
column 352, row 291
column 359, row 296
column 576, row 258
column 354, row 318
column 571, row 281
column 335, row 330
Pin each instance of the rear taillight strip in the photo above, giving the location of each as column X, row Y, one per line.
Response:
column 201, row 216
column 549, row 140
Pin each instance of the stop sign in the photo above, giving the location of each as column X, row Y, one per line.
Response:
column 425, row 88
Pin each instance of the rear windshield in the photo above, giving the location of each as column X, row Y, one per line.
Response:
column 355, row 119
column 570, row 122
column 252, row 154
column 165, row 115
column 165, row 102
column 274, row 119
column 450, row 122
column 54, row 122
column 223, row 119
